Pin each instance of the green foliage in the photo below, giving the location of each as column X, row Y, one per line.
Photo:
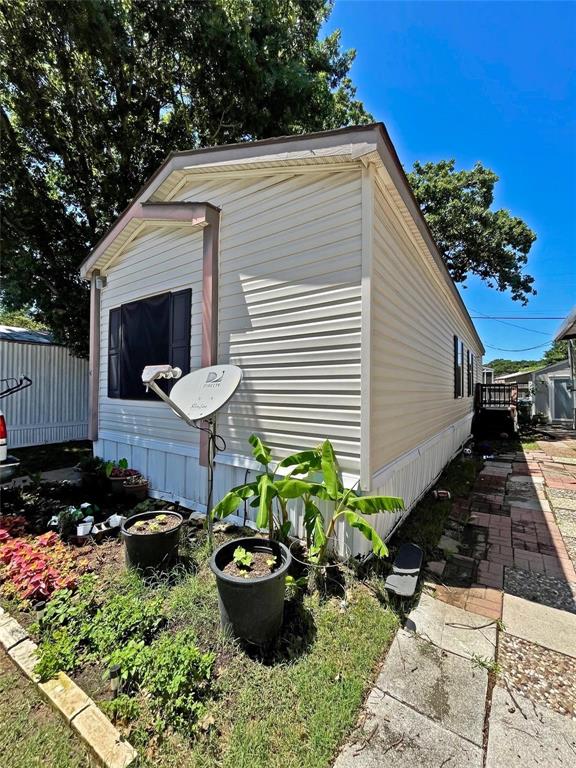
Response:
column 122, row 618
column 20, row 318
column 242, row 558
column 123, row 708
column 95, row 94
column 556, row 354
column 473, row 238
column 177, row 674
column 323, row 481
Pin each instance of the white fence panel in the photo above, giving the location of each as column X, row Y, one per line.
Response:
column 55, row 407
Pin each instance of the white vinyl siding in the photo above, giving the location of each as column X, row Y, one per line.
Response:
column 163, row 259
column 414, row 321
column 289, row 310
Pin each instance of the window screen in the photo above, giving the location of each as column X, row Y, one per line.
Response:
column 151, row 331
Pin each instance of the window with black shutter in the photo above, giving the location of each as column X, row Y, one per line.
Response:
column 458, row 367
column 151, row 331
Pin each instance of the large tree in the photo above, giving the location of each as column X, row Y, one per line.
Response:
column 94, row 94
column 474, row 238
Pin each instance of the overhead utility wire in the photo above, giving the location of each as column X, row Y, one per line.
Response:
column 512, row 325
column 525, row 349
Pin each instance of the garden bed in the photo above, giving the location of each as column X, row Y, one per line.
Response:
column 197, row 697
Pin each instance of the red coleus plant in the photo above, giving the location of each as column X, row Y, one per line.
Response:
column 13, row 525
column 33, row 568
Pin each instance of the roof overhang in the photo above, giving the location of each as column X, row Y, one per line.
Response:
column 138, row 217
column 568, row 328
column 336, row 150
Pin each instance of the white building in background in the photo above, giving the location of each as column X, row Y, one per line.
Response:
column 54, row 408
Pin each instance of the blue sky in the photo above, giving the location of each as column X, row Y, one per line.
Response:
column 487, row 81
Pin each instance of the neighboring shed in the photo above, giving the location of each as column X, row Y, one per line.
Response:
column 567, row 333
column 306, row 261
column 55, row 408
column 553, row 393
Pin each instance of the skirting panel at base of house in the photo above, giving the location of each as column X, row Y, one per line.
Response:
column 42, row 434
column 174, row 474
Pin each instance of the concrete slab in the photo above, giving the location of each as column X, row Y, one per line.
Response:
column 395, row 736
column 540, row 624
column 445, row 687
column 65, row 695
column 453, row 629
column 103, row 739
column 11, row 633
column 25, row 656
column 525, row 735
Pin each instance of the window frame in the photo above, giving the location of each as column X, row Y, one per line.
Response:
column 178, row 343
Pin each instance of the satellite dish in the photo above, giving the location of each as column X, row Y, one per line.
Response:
column 203, row 392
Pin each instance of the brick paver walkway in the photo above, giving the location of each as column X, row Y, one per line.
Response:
column 510, row 514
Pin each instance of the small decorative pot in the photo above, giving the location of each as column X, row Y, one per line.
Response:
column 84, row 528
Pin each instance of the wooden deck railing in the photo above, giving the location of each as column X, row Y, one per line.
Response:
column 495, row 395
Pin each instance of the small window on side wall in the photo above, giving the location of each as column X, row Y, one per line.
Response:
column 458, row 367
column 470, row 369
column 151, row 331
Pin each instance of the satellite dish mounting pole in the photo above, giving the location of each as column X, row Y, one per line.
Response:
column 210, row 478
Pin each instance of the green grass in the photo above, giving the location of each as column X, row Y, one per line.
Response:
column 42, row 458
column 31, row 734
column 427, row 521
column 296, row 712
column 290, row 709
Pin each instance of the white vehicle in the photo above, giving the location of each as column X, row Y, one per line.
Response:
column 9, row 464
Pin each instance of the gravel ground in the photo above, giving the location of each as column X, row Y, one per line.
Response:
column 566, row 519
column 539, row 674
column 540, row 588
column 570, row 542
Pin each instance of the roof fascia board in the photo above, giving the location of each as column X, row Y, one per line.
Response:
column 145, row 214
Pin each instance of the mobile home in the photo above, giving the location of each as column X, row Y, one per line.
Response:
column 306, row 261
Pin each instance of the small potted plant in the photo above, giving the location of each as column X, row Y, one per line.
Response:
column 118, row 472
column 77, row 519
column 251, row 600
column 151, row 540
column 92, row 471
column 136, row 487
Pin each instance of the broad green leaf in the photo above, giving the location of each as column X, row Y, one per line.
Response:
column 227, row 505
column 292, row 488
column 285, row 529
column 123, row 464
column 380, row 549
column 370, row 505
column 319, row 534
column 267, row 492
column 260, row 450
column 311, row 512
column 310, row 459
column 330, row 469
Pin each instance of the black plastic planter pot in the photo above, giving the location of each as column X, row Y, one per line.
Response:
column 253, row 609
column 153, row 551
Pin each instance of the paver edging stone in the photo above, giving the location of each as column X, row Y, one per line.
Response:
column 62, row 693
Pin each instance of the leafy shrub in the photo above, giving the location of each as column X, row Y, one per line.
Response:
column 124, row 617
column 123, row 708
column 176, row 673
column 37, row 567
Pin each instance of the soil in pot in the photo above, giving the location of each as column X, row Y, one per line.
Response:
column 158, row 524
column 262, row 564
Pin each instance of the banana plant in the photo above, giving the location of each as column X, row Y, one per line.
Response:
column 322, row 481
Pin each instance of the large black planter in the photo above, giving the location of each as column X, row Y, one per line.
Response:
column 253, row 609
column 154, row 551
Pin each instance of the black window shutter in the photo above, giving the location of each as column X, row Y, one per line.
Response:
column 114, row 350
column 180, row 309
column 456, row 369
